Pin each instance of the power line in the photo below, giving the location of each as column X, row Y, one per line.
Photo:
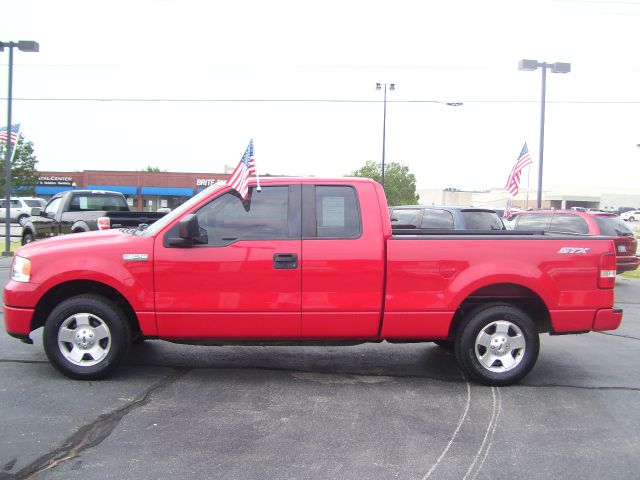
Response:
column 311, row 100
column 303, row 67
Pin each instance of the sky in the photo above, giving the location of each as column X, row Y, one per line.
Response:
column 184, row 84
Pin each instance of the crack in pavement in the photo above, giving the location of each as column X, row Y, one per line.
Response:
column 92, row 434
column 618, row 335
column 578, row 387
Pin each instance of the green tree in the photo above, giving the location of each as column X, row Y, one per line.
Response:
column 153, row 169
column 24, row 176
column 399, row 183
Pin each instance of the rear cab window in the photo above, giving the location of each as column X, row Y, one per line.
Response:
column 568, row 223
column 405, row 217
column 437, row 219
column 481, row 220
column 612, row 226
column 533, row 222
column 93, row 202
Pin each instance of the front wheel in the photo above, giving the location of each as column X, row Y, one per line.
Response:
column 498, row 345
column 27, row 237
column 632, row 219
column 86, row 337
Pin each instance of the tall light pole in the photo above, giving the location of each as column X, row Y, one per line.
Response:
column 24, row 46
column 392, row 86
column 531, row 65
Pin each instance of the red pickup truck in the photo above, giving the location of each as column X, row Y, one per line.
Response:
column 307, row 261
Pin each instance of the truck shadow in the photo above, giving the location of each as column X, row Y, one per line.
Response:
column 421, row 360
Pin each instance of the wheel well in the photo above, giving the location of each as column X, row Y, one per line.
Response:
column 504, row 294
column 78, row 287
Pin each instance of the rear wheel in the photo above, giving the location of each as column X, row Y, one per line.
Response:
column 632, row 219
column 498, row 345
column 22, row 219
column 86, row 337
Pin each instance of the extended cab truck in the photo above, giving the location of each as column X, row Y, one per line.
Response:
column 307, row 261
column 76, row 211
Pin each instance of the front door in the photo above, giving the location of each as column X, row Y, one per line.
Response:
column 244, row 282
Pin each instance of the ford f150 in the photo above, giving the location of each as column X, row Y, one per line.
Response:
column 307, row 261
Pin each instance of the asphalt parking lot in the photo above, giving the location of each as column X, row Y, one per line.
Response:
column 366, row 412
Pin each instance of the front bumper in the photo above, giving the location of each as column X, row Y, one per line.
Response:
column 18, row 321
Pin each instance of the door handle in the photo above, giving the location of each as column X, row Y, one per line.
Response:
column 286, row 261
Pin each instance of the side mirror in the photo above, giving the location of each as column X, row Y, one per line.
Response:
column 190, row 232
column 36, row 212
column 188, row 227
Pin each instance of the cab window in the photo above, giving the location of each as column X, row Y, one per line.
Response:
column 337, row 212
column 229, row 218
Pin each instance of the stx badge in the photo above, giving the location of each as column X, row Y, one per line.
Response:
column 574, row 250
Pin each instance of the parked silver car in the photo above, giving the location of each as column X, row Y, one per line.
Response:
column 20, row 208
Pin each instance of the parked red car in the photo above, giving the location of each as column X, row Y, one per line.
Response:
column 585, row 223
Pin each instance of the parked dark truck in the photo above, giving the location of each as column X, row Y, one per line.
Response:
column 76, row 211
column 307, row 262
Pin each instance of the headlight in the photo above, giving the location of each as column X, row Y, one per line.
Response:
column 21, row 269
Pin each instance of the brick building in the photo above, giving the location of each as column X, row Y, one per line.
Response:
column 145, row 191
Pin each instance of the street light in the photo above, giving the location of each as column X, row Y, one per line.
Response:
column 558, row 67
column 392, row 86
column 23, row 46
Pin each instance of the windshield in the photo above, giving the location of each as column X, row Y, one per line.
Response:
column 169, row 217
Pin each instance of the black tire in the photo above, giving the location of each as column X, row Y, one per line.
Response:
column 86, row 337
column 497, row 354
column 22, row 218
column 27, row 237
column 632, row 219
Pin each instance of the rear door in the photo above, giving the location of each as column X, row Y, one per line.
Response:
column 342, row 262
column 244, row 281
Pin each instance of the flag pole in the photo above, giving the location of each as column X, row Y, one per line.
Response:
column 15, row 147
column 528, row 174
column 258, row 188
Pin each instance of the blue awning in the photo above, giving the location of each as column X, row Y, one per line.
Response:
column 51, row 190
column 126, row 190
column 168, row 191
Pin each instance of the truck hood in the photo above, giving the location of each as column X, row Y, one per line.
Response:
column 108, row 239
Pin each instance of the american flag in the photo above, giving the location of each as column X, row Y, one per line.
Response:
column 15, row 131
column 507, row 212
column 239, row 179
column 513, row 182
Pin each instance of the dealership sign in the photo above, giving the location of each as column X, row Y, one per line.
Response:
column 58, row 181
column 205, row 182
